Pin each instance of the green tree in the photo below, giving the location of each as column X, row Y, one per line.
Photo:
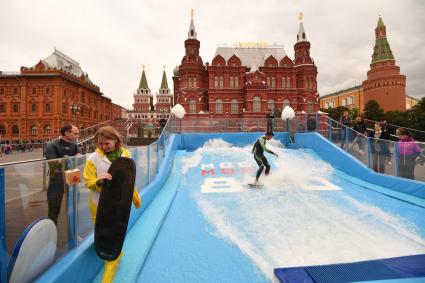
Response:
column 372, row 111
column 416, row 115
column 335, row 113
column 397, row 118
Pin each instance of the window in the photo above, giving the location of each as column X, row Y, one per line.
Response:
column 310, row 106
column 256, row 104
column 2, row 108
column 216, row 82
column 15, row 130
column 83, row 97
column 47, row 107
column 219, row 106
column 15, row 91
column 48, row 90
column 221, row 82
column 192, row 106
column 270, row 104
column 273, row 82
column 64, row 109
column 15, row 107
column 236, row 82
column 234, row 109
column 47, row 130
column 351, row 100
column 33, row 130
column 33, row 107
column 286, row 103
column 268, row 80
column 194, row 82
column 2, row 130
column 231, row 82
column 307, row 84
column 34, row 90
column 344, row 102
column 288, row 82
column 283, row 82
column 1, row 91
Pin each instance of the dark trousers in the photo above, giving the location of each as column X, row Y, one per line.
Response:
column 263, row 163
column 378, row 161
column 407, row 166
column 55, row 192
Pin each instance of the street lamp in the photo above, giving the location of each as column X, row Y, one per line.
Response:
column 75, row 108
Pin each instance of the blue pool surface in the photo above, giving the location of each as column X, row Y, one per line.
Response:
column 202, row 223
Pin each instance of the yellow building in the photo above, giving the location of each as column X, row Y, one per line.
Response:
column 353, row 98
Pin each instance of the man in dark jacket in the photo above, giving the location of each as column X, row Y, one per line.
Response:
column 64, row 146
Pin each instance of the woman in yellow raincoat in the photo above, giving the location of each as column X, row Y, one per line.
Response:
column 109, row 148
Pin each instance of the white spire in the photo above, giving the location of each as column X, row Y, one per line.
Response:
column 192, row 32
column 301, row 36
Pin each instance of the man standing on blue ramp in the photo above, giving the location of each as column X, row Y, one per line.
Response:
column 258, row 151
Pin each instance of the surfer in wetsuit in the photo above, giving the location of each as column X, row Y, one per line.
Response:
column 258, row 151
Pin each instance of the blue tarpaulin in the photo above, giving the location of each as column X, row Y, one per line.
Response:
column 381, row 269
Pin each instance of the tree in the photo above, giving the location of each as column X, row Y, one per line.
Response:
column 416, row 115
column 372, row 111
column 335, row 113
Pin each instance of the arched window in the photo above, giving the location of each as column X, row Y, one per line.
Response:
column 234, row 109
column 288, row 82
column 192, row 106
column 219, row 106
column 256, row 104
column 310, row 106
column 33, row 130
column 15, row 130
column 2, row 130
column 307, row 84
column 286, row 103
column 273, row 82
column 270, row 104
column 47, row 130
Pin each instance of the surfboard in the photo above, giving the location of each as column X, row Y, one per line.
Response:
column 254, row 186
column 34, row 251
column 114, row 208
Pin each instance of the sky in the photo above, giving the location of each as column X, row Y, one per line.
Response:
column 113, row 39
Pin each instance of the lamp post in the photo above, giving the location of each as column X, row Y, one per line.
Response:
column 75, row 108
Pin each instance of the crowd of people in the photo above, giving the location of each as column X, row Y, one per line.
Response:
column 381, row 140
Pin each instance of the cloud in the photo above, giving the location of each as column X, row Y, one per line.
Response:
column 112, row 39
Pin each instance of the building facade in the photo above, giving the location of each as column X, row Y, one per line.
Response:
column 246, row 80
column 147, row 113
column 384, row 82
column 36, row 101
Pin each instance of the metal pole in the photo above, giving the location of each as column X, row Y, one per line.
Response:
column 3, row 258
column 149, row 162
column 397, row 160
column 369, row 152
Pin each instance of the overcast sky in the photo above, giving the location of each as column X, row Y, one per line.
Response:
column 113, row 39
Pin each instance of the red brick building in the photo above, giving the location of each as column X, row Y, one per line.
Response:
column 36, row 101
column 384, row 82
column 246, row 79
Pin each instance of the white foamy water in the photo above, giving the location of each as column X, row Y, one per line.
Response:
column 289, row 224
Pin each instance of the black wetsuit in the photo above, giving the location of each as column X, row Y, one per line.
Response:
column 258, row 151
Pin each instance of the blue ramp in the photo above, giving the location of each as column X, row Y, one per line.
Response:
column 382, row 269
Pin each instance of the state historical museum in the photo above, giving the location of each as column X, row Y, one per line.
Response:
column 246, row 79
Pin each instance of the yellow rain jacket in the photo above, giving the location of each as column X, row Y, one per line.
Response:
column 97, row 163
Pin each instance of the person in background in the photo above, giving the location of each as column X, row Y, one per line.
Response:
column 55, row 149
column 109, row 148
column 386, row 135
column 270, row 117
column 360, row 128
column 408, row 151
column 376, row 147
column 346, row 121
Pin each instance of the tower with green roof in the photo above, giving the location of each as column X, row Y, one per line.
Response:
column 164, row 98
column 143, row 99
column 384, row 82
